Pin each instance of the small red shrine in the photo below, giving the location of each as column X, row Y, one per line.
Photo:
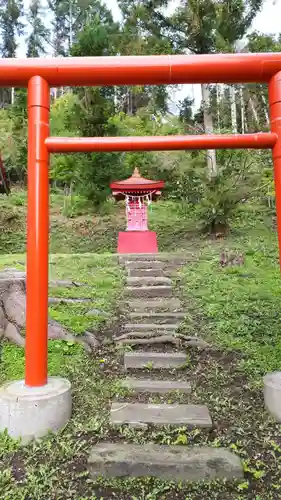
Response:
column 138, row 193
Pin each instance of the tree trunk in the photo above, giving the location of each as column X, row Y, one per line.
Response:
column 208, row 126
column 242, row 105
column 254, row 111
column 218, row 92
column 13, row 313
column 265, row 108
column 233, row 109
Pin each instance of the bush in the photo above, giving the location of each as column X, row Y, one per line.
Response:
column 239, row 179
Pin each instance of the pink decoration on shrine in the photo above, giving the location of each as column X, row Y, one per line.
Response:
column 138, row 193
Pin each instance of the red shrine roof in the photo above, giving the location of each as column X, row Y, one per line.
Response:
column 136, row 183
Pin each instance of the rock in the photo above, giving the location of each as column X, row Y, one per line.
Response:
column 171, row 463
column 63, row 300
column 13, row 315
column 155, row 360
column 14, row 305
column 162, row 414
column 66, row 283
column 137, row 292
column 149, row 281
column 151, row 327
column 97, row 312
column 156, row 317
column 153, row 305
column 156, row 386
column 144, row 273
column 91, row 339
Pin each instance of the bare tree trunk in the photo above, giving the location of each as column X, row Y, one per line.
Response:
column 233, row 109
column 254, row 111
column 218, row 91
column 265, row 107
column 208, row 125
column 242, row 105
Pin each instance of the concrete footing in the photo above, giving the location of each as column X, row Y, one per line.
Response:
column 29, row 413
column 272, row 394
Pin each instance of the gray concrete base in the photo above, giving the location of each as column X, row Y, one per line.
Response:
column 32, row 412
column 272, row 394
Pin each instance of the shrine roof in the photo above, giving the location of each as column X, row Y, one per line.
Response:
column 136, row 182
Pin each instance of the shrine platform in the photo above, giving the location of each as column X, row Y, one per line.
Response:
column 137, row 242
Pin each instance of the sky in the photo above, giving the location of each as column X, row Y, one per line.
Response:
column 267, row 21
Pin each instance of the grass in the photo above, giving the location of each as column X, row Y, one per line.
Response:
column 237, row 309
column 81, row 229
column 241, row 304
column 103, row 281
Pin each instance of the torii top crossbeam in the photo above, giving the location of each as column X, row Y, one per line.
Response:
column 137, row 70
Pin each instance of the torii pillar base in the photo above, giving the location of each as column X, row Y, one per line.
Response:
column 137, row 242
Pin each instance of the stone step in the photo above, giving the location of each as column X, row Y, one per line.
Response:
column 65, row 300
column 156, row 386
column 154, row 360
column 153, row 305
column 136, row 265
column 145, row 273
column 158, row 257
column 151, row 327
column 164, row 317
column 171, row 463
column 162, row 414
column 148, row 291
column 146, row 281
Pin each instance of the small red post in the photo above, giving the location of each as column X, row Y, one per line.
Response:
column 274, row 92
column 36, row 355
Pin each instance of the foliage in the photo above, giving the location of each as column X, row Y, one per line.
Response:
column 241, row 304
column 237, row 309
column 39, row 35
column 11, row 25
column 215, row 201
column 84, row 28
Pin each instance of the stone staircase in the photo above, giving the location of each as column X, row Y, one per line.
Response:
column 153, row 311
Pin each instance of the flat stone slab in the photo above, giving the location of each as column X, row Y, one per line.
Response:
column 64, row 300
column 144, row 281
column 163, row 414
column 148, row 291
column 145, row 273
column 156, row 360
column 156, row 386
column 155, row 317
column 154, row 305
column 150, row 326
column 130, row 265
column 159, row 257
column 173, row 463
column 66, row 283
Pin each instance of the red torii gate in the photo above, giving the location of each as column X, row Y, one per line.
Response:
column 41, row 74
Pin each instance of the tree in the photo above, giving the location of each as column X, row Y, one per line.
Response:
column 39, row 35
column 95, row 106
column 143, row 33
column 205, row 26
column 11, row 27
column 185, row 111
column 60, row 29
column 257, row 94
